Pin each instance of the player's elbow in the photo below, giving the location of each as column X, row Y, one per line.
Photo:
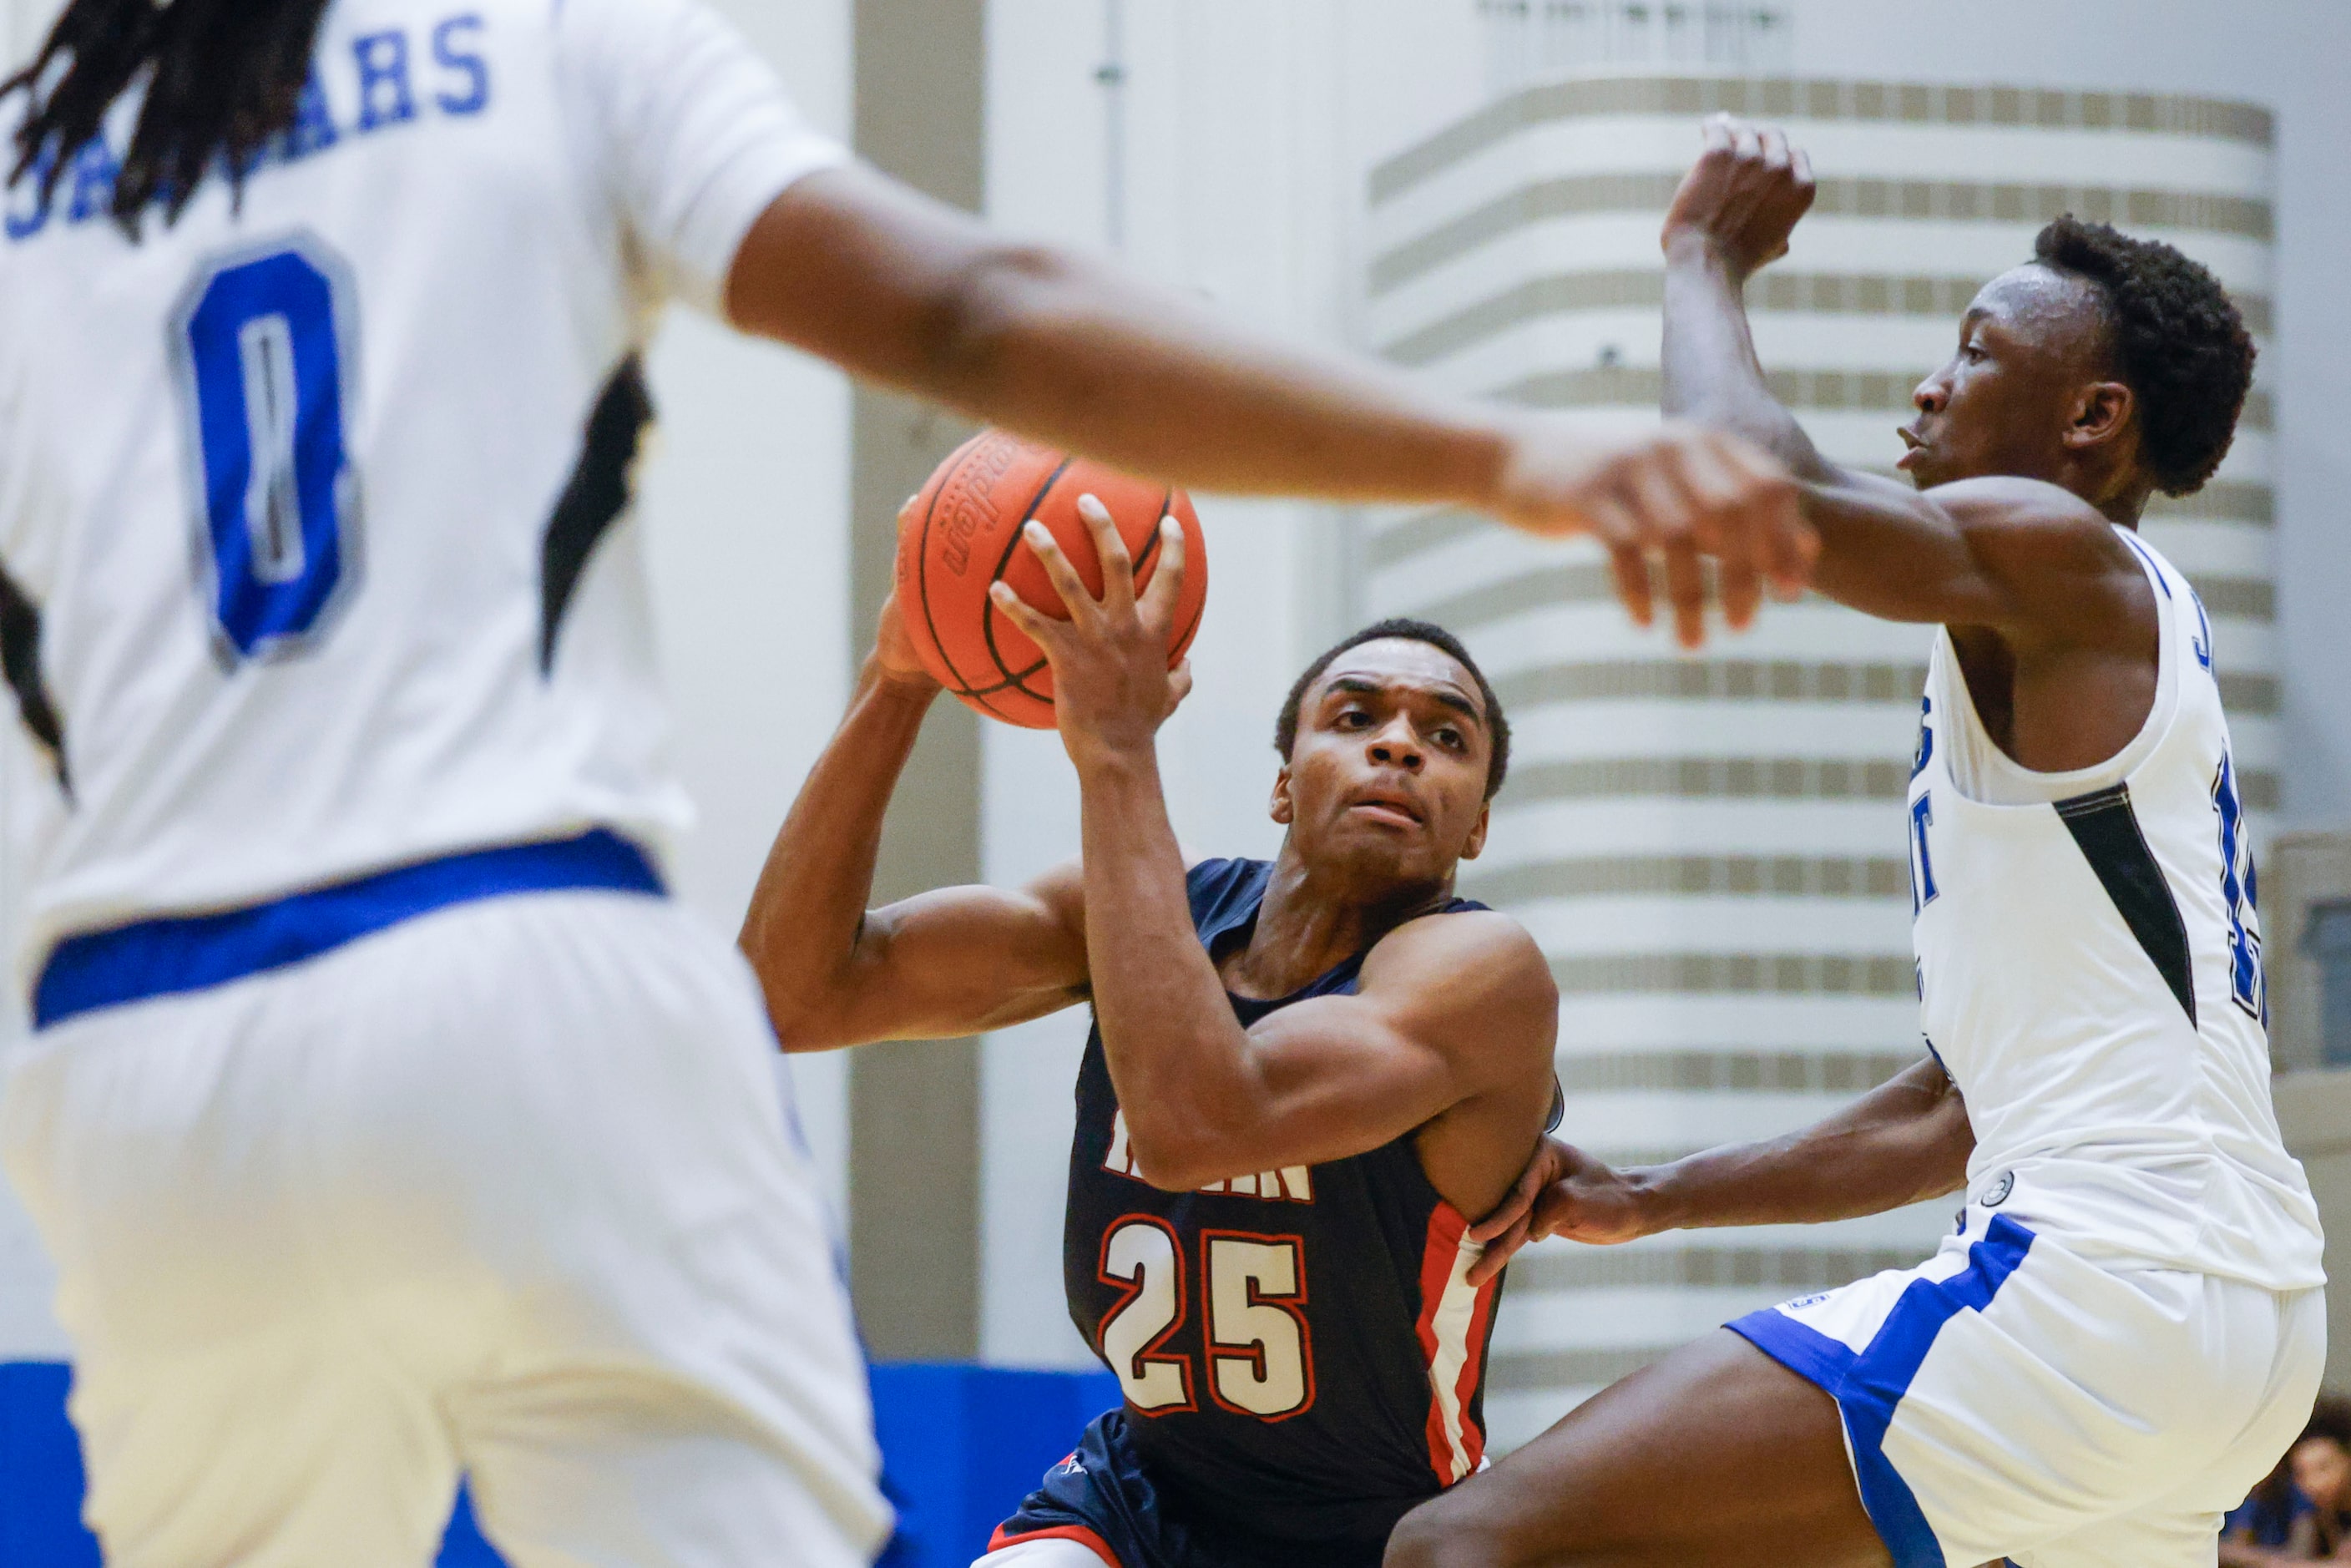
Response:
column 802, row 1023
column 1175, row 1154
column 1172, row 1167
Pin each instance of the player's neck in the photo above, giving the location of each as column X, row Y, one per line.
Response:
column 1313, row 920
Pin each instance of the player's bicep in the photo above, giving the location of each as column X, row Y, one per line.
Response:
column 2017, row 555
column 1338, row 1076
column 1456, row 1007
column 857, row 268
column 963, row 960
column 1897, row 554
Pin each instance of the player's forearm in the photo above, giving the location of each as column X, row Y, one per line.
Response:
column 1904, row 1142
column 1712, row 375
column 1082, row 355
column 1178, row 1059
column 904, row 290
column 801, row 930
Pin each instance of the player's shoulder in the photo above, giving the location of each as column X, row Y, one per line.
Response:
column 1465, row 953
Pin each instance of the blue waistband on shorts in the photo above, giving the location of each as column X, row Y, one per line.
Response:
column 164, row 958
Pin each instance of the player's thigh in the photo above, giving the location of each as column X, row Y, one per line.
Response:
column 1716, row 1456
column 1050, row 1551
column 230, row 1407
column 678, row 1378
column 628, row 1468
column 286, row 1449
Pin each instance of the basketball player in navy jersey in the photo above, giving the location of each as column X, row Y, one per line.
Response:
column 2127, row 1329
column 1304, row 1075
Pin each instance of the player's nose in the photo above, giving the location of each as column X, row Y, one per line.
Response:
column 1930, row 395
column 1398, row 747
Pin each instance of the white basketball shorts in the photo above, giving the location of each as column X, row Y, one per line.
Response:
column 2010, row 1399
column 507, row 1189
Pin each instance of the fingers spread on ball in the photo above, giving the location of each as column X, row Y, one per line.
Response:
column 1075, row 596
column 1110, row 548
column 1035, row 623
column 1168, row 578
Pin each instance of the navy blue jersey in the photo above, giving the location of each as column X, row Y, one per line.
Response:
column 1302, row 1355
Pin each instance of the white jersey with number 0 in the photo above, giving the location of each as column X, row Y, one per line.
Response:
column 307, row 500
column 2090, row 970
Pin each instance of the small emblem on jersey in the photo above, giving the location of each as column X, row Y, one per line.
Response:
column 1800, row 1303
column 1997, row 1193
column 1291, row 1184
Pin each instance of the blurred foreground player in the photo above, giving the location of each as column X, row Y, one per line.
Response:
column 384, row 1119
column 1303, row 1076
column 2127, row 1329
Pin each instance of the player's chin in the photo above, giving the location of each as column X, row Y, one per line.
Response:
column 1381, row 852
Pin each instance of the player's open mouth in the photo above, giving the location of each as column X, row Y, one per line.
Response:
column 1912, row 443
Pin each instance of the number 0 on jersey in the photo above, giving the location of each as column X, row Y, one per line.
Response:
column 260, row 343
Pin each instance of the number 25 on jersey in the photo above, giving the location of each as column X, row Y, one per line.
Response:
column 1253, row 1298
column 261, row 346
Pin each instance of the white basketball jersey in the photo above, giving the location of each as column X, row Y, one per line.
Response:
column 314, row 506
column 2090, row 976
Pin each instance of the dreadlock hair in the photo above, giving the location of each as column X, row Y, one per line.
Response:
column 223, row 78
column 2178, row 344
column 1285, row 729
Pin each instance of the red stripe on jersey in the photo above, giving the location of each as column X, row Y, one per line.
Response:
column 1452, row 1331
column 1077, row 1532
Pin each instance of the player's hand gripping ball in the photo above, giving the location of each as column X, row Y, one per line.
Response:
column 962, row 533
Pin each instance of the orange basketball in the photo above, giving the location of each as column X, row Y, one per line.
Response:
column 963, row 533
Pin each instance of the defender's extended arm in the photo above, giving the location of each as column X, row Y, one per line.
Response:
column 904, row 290
column 2027, row 558
column 1907, row 1140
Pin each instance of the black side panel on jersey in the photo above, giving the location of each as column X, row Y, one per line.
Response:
column 597, row 494
column 20, row 662
column 2106, row 829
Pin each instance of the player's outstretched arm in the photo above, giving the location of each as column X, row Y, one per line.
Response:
column 1453, row 1020
column 906, row 291
column 1905, row 1142
column 953, row 962
column 2027, row 558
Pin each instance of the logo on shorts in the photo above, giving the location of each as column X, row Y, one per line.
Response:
column 1997, row 1193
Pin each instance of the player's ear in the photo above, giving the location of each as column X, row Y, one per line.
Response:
column 1280, row 808
column 1477, row 844
column 2100, row 414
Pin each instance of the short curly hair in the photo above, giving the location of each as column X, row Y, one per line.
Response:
column 2178, row 343
column 1404, row 628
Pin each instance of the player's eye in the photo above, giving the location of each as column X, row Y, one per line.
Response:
column 1353, row 718
column 1450, row 736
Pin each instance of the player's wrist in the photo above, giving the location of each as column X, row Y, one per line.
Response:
column 1122, row 753
column 1695, row 246
column 899, row 684
column 1659, row 1201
